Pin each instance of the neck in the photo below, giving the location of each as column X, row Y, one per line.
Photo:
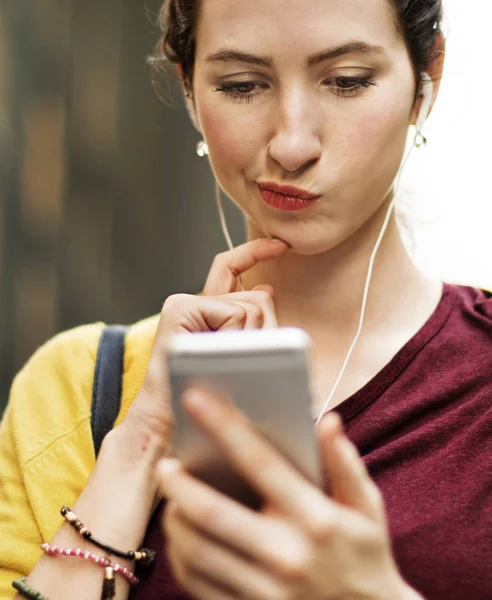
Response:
column 323, row 293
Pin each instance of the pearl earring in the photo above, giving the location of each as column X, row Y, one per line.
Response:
column 202, row 148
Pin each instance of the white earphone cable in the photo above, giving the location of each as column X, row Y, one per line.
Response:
column 424, row 110
column 366, row 291
column 223, row 222
column 372, row 260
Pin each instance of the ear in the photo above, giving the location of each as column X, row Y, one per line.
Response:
column 189, row 102
column 435, row 71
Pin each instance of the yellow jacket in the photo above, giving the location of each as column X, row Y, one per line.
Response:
column 46, row 449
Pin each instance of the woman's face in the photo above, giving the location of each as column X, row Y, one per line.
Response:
column 316, row 94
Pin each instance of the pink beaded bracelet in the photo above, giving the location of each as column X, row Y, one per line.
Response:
column 102, row 561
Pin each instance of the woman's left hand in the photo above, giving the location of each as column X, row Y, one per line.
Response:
column 302, row 544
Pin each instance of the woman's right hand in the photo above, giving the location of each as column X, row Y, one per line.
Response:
column 221, row 306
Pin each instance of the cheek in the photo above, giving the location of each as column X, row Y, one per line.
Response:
column 376, row 138
column 231, row 146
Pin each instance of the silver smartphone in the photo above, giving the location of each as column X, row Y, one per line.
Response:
column 265, row 373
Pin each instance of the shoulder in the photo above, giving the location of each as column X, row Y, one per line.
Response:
column 46, row 447
column 51, row 396
column 462, row 349
column 472, row 306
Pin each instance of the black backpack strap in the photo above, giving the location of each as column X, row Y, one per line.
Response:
column 106, row 393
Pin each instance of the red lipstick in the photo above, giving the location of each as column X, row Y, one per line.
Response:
column 286, row 197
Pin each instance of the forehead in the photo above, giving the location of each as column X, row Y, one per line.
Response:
column 294, row 24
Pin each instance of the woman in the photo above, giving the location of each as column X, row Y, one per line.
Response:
column 318, row 95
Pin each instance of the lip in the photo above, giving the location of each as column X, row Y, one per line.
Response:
column 288, row 190
column 286, row 197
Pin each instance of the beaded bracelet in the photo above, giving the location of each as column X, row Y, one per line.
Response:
column 110, row 568
column 144, row 556
column 102, row 561
column 24, row 590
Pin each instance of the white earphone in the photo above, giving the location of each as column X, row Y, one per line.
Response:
column 428, row 97
column 427, row 91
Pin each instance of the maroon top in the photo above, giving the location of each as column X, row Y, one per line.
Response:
column 424, row 428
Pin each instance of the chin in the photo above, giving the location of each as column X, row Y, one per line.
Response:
column 311, row 248
column 309, row 244
column 306, row 237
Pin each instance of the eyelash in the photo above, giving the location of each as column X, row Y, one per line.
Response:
column 356, row 86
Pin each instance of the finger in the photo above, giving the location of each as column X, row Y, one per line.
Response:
column 188, row 313
column 267, row 471
column 253, row 314
column 223, row 315
column 196, row 584
column 264, row 287
column 227, row 266
column 349, row 479
column 202, row 588
column 263, row 298
column 275, row 544
column 203, row 555
column 187, row 578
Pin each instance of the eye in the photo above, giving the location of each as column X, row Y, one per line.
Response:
column 350, row 85
column 241, row 90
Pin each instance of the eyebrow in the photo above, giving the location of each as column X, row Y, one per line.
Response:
column 227, row 55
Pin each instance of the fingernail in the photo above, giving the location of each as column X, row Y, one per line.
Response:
column 279, row 242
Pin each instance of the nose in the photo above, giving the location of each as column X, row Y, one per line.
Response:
column 296, row 140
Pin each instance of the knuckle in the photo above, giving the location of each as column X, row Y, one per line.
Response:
column 370, row 541
column 266, row 302
column 239, row 313
column 319, row 524
column 294, row 568
column 174, row 302
column 263, row 297
column 221, row 259
column 255, row 312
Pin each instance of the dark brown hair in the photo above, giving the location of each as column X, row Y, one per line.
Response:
column 419, row 22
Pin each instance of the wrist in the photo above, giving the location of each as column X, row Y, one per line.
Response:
column 122, row 492
column 134, row 447
column 115, row 505
column 133, row 454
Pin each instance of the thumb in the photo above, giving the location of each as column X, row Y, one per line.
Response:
column 349, row 479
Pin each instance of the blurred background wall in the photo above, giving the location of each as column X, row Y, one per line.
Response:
column 105, row 209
